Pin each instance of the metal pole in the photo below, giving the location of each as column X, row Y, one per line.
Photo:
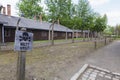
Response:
column 49, row 34
column 95, row 43
column 21, row 65
column 77, row 34
column 105, row 41
column 88, row 34
column 66, row 35
column 53, row 34
column 17, row 27
column 84, row 35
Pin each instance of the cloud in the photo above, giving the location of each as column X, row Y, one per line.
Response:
column 113, row 17
column 113, row 14
column 98, row 2
column 107, row 7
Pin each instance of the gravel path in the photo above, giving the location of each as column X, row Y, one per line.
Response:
column 107, row 57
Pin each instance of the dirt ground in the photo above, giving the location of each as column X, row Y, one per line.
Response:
column 57, row 62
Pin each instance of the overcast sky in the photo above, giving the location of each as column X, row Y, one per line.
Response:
column 109, row 7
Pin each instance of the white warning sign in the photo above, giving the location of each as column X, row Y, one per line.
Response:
column 23, row 41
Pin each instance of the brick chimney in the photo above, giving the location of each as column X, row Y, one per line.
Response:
column 40, row 18
column 4, row 10
column 1, row 8
column 8, row 10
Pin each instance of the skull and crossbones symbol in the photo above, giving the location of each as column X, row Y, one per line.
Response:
column 25, row 37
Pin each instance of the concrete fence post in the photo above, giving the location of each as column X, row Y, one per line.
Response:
column 105, row 40
column 95, row 44
column 53, row 35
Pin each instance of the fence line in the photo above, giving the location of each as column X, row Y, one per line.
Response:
column 43, row 44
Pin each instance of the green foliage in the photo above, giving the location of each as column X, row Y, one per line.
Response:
column 80, row 15
column 109, row 30
column 30, row 8
column 84, row 12
column 58, row 9
column 117, row 29
column 64, row 10
column 100, row 23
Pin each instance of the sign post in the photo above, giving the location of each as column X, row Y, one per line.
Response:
column 21, row 65
column 23, row 43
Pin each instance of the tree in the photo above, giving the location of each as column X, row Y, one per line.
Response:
column 81, row 15
column 100, row 23
column 117, row 29
column 30, row 8
column 83, row 12
column 109, row 30
column 61, row 10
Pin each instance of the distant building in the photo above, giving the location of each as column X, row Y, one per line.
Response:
column 40, row 29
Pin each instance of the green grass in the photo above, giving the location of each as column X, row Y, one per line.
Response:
column 78, row 38
column 46, row 53
column 42, row 41
column 117, row 38
column 45, row 41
